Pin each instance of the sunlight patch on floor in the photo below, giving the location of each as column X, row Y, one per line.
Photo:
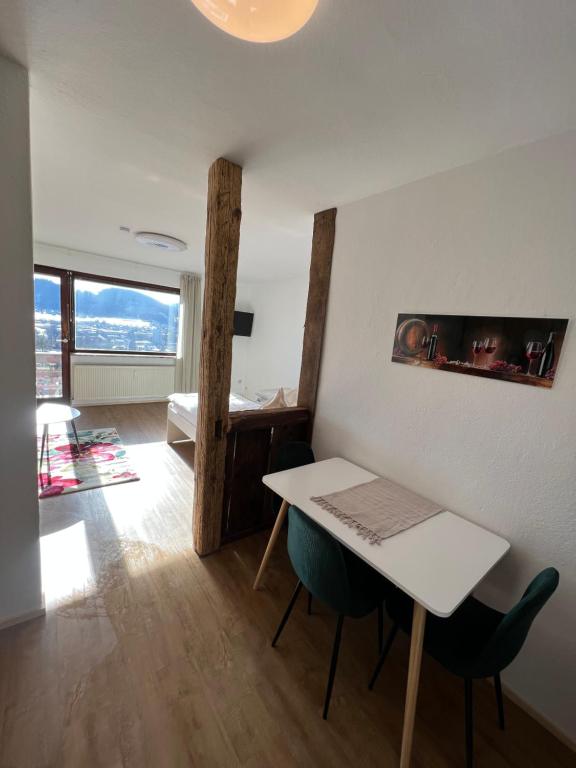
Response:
column 132, row 510
column 66, row 564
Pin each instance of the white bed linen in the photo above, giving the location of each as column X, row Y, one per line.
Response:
column 186, row 405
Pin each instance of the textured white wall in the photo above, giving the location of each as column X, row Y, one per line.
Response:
column 241, row 344
column 20, row 591
column 497, row 237
column 274, row 351
column 96, row 264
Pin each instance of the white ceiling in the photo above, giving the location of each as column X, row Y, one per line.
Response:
column 132, row 100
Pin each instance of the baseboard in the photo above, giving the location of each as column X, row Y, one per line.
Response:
column 539, row 717
column 120, row 401
column 13, row 620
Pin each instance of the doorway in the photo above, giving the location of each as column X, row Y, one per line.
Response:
column 52, row 334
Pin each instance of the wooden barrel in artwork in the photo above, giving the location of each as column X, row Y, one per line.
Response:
column 409, row 336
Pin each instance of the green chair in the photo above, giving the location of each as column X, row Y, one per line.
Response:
column 476, row 641
column 335, row 576
column 291, row 455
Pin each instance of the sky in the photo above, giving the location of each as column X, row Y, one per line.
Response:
column 94, row 287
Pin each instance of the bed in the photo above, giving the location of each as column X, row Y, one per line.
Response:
column 183, row 414
column 255, row 434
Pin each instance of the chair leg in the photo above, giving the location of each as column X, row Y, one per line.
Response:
column 380, row 626
column 499, row 700
column 383, row 655
column 333, row 663
column 309, row 603
column 287, row 614
column 469, row 720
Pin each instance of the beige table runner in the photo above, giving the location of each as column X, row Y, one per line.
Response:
column 378, row 509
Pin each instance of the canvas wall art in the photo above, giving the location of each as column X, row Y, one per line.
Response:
column 524, row 350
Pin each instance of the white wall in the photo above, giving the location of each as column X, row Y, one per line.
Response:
column 95, row 264
column 20, row 590
column 274, row 351
column 241, row 344
column 497, row 237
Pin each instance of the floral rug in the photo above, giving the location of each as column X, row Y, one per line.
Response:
column 102, row 461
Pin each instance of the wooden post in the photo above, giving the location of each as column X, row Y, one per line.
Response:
column 221, row 263
column 320, row 268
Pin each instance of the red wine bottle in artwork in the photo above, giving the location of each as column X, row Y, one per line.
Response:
column 433, row 344
column 547, row 361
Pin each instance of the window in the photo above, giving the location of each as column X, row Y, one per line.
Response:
column 48, row 335
column 114, row 316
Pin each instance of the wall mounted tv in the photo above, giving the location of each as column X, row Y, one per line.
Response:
column 243, row 323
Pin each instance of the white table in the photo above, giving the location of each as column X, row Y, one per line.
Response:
column 437, row 562
column 54, row 413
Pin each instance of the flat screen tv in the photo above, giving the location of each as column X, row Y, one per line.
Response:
column 243, row 323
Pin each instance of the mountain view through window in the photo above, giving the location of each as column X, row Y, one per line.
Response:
column 119, row 318
column 112, row 318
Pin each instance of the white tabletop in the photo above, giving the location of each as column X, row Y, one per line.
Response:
column 52, row 413
column 438, row 562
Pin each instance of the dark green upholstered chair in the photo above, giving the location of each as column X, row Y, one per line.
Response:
column 335, row 576
column 476, row 641
column 291, row 455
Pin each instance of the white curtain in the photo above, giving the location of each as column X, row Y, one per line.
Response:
column 189, row 333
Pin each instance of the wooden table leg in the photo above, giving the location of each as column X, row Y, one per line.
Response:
column 416, row 643
column 271, row 542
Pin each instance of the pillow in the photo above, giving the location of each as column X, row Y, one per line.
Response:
column 277, row 401
column 291, row 397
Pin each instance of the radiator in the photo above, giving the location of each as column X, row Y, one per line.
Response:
column 110, row 383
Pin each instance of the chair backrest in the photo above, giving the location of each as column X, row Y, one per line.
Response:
column 513, row 629
column 318, row 561
column 290, row 456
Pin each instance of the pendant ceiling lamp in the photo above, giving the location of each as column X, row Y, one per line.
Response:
column 258, row 21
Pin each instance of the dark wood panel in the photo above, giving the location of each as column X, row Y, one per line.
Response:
column 246, row 500
column 254, row 440
column 269, row 417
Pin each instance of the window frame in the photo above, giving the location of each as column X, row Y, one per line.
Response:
column 124, row 284
column 65, row 329
column 73, row 276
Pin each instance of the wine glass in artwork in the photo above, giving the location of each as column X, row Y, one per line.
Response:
column 490, row 344
column 534, row 351
column 477, row 347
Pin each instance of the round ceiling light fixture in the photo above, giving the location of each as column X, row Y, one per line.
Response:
column 258, row 21
column 162, row 242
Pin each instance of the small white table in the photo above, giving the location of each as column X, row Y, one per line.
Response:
column 437, row 562
column 53, row 413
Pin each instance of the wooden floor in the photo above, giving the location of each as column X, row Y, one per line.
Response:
column 149, row 656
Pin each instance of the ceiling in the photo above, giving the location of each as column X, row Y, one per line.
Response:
column 131, row 101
